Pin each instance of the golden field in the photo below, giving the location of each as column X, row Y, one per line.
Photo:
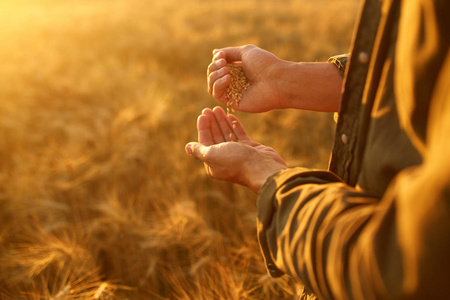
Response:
column 97, row 100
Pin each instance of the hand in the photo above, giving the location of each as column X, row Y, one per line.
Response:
column 275, row 83
column 262, row 94
column 228, row 152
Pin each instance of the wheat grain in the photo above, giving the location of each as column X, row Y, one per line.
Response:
column 239, row 82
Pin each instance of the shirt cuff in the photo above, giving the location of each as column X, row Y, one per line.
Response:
column 340, row 61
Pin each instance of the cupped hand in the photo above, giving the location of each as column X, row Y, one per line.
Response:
column 228, row 152
column 259, row 66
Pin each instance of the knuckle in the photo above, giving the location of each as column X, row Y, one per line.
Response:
column 248, row 47
column 221, row 63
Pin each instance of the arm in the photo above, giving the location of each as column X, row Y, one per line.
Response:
column 346, row 244
column 276, row 83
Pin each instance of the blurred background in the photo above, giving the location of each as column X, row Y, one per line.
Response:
column 97, row 100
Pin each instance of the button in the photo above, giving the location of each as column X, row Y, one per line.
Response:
column 363, row 57
column 272, row 268
column 344, row 139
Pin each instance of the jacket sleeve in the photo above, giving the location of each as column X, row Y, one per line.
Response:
column 307, row 222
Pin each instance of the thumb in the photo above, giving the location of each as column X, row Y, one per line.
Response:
column 232, row 54
column 195, row 149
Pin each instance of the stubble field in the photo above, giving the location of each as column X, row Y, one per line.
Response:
column 97, row 100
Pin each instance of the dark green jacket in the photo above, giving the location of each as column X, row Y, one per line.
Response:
column 376, row 225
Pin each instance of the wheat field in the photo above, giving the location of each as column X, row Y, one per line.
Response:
column 97, row 100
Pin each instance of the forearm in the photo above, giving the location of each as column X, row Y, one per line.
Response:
column 309, row 86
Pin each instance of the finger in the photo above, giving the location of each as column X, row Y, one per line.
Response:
column 196, row 150
column 219, row 88
column 204, row 131
column 213, row 67
column 215, row 76
column 199, row 152
column 218, row 54
column 233, row 54
column 216, row 133
column 224, row 125
column 237, row 127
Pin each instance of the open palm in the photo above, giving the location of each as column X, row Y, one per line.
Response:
column 228, row 152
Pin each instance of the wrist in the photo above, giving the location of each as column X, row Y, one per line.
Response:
column 284, row 76
column 260, row 171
